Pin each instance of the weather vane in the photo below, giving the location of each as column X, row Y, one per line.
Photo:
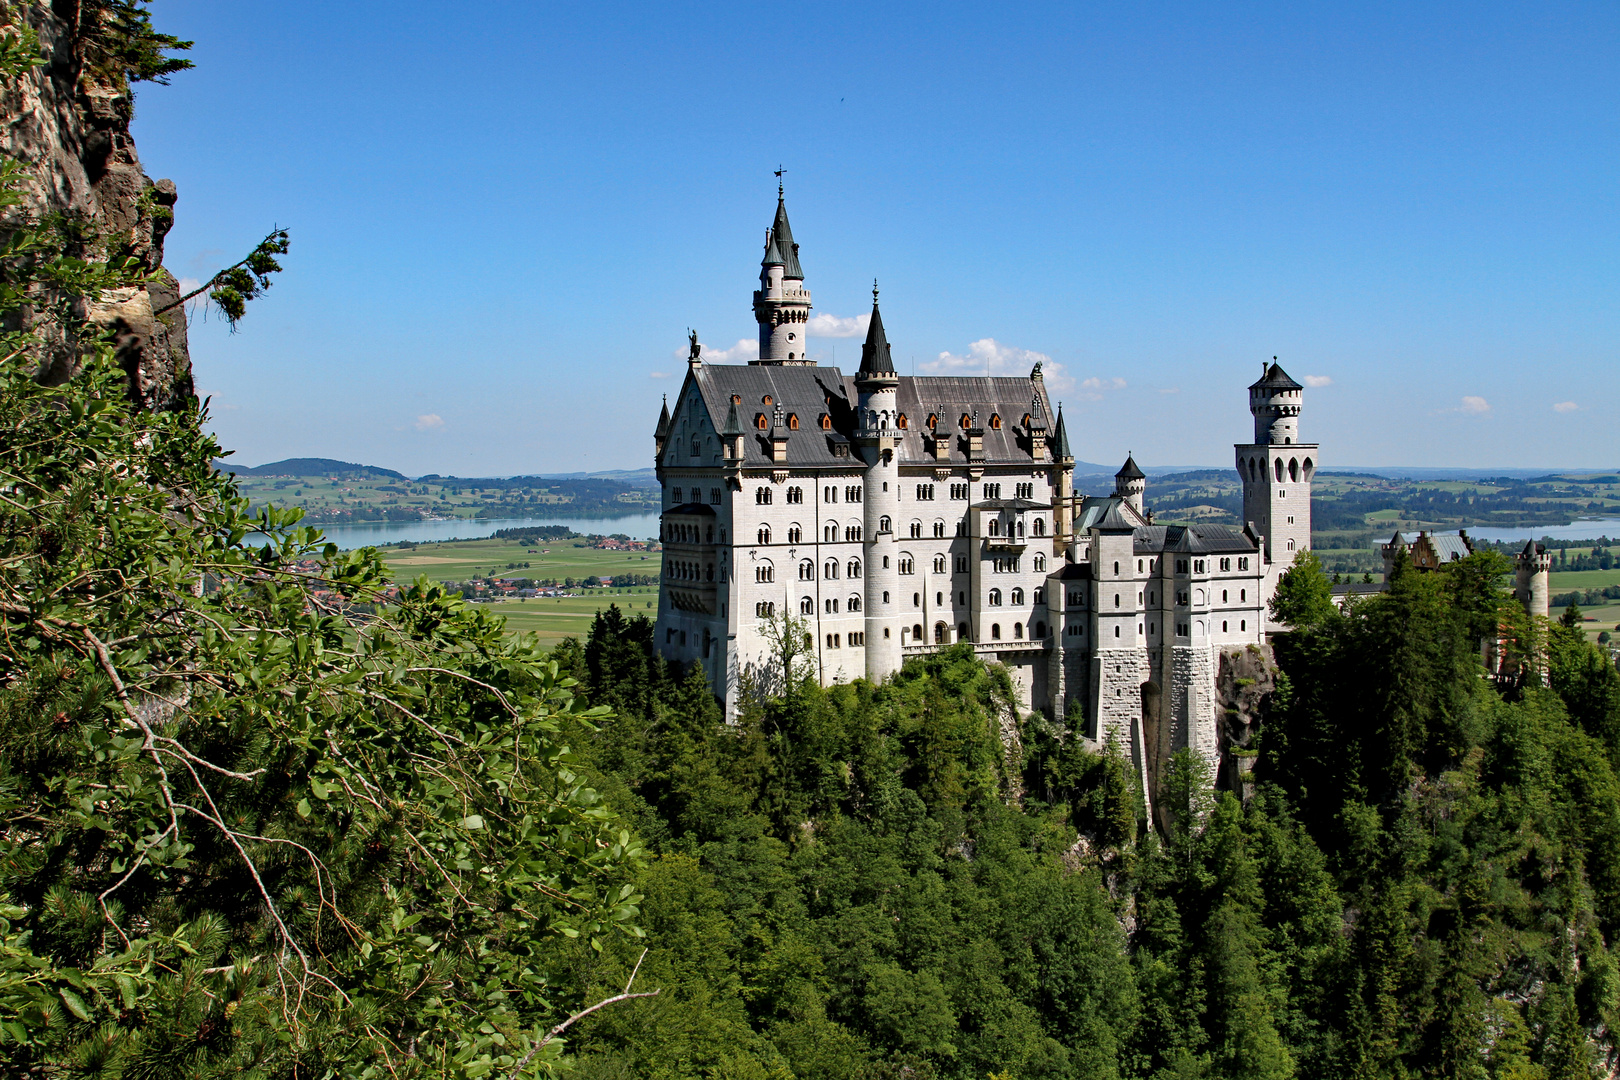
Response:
column 779, row 172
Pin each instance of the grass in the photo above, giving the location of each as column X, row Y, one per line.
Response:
column 463, row 559
column 551, row 618
column 1570, row 580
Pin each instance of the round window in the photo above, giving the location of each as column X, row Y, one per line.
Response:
column 790, row 336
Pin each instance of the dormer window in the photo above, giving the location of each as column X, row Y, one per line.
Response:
column 995, row 422
column 966, row 421
column 901, row 421
column 766, row 401
column 736, row 399
column 793, row 421
column 760, row 422
column 933, row 421
column 825, row 422
column 1025, row 421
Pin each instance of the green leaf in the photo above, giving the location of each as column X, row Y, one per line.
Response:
column 304, row 809
column 75, row 1004
column 472, row 821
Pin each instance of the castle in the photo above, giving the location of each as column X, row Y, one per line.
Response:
column 897, row 515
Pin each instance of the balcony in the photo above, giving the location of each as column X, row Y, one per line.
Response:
column 1005, row 543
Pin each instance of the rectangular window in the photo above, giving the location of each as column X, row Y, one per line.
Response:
column 1226, row 564
column 1243, row 564
column 714, row 496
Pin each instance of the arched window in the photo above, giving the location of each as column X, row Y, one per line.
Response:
column 916, row 633
column 761, row 422
column 1040, row 564
column 807, row 570
column 961, row 632
column 795, row 533
column 1018, row 630
column 830, row 570
column 764, row 534
column 1290, row 545
column 807, row 606
column 829, row 532
column 995, row 598
column 995, row 526
column 793, row 421
column 1309, row 469
column 764, row 573
column 854, row 602
column 825, row 422
column 901, row 421
column 995, row 631
column 767, row 401
column 1017, row 597
column 1039, row 597
column 830, row 605
column 852, row 533
column 1293, row 469
column 764, row 609
column 1279, row 469
column 697, row 446
column 942, row 634
column 736, row 399
column 853, row 570
column 916, row 530
column 907, row 566
column 939, row 564
column 884, row 524
column 1025, row 421
column 995, row 421
column 1040, row 527
column 1020, row 528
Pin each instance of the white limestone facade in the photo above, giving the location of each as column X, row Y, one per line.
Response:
column 894, row 516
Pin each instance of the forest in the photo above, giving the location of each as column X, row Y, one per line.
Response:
column 244, row 836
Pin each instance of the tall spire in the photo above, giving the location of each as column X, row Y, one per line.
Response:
column 782, row 233
column 1060, row 439
column 875, row 358
column 663, row 420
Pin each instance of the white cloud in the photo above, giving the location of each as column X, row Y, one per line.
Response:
column 1318, row 380
column 1474, row 405
column 745, row 349
column 837, row 326
column 429, row 422
column 989, row 356
column 657, row 374
column 187, row 284
column 1094, row 387
column 1565, row 406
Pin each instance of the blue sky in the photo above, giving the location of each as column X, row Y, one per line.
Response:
column 505, row 216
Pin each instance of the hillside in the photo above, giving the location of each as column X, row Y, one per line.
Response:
column 309, row 466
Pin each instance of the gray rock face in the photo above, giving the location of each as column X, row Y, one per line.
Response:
column 71, row 133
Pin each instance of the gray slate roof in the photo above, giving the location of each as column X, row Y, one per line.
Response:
column 1448, row 546
column 782, row 234
column 809, row 391
column 1275, row 378
column 1194, row 539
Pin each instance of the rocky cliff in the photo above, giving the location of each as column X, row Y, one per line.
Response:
column 68, row 125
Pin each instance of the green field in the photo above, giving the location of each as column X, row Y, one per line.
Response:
column 462, row 559
column 1583, row 579
column 551, row 618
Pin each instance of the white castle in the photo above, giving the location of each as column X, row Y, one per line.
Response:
column 897, row 515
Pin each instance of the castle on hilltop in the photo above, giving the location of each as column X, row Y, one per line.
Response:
column 898, row 515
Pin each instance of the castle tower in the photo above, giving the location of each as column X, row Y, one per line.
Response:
column 877, row 439
column 1118, row 658
column 1063, row 457
column 781, row 303
column 1530, row 579
column 1276, row 470
column 1130, row 483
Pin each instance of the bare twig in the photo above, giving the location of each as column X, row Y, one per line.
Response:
column 560, row 1028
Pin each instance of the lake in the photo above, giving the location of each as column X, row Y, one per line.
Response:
column 1590, row 529
column 370, row 534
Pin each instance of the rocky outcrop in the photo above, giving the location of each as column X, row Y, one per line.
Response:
column 70, row 131
column 1245, row 685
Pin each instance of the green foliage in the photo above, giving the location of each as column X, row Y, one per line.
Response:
column 117, row 41
column 1304, row 596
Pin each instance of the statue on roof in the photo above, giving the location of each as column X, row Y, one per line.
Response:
column 691, row 337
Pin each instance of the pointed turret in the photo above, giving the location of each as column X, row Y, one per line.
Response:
column 731, row 436
column 661, row 432
column 876, row 363
column 733, row 425
column 782, row 233
column 1130, row 470
column 1060, row 440
column 1130, row 483
column 782, row 303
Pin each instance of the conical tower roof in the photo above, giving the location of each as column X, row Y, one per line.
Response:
column 1275, row 378
column 875, row 358
column 773, row 253
column 782, row 233
column 663, row 419
column 1129, row 470
column 733, row 425
column 1060, row 439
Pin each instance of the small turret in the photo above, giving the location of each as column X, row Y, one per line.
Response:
column 731, row 436
column 1530, row 579
column 1275, row 401
column 1063, row 459
column 781, row 303
column 1130, row 483
column 661, row 432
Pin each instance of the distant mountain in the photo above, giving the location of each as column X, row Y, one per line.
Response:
column 310, row 466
